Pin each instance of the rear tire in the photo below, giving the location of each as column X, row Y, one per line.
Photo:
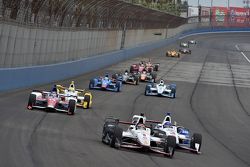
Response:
column 156, row 68
column 147, row 90
column 170, row 145
column 116, row 138
column 136, row 80
column 154, row 75
column 31, row 102
column 118, row 86
column 72, row 107
column 86, row 100
column 91, row 84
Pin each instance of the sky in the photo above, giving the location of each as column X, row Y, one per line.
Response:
column 232, row 3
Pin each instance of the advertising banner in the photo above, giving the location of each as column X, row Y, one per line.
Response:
column 219, row 13
column 193, row 11
column 205, row 11
column 239, row 16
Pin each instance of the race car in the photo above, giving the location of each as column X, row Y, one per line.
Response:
column 173, row 53
column 145, row 76
column 137, row 136
column 144, row 66
column 83, row 98
column 51, row 101
column 192, row 41
column 184, row 138
column 105, row 83
column 185, row 51
column 127, row 78
column 161, row 89
column 184, row 44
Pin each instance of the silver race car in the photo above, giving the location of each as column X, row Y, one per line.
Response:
column 161, row 89
column 192, row 41
column 127, row 78
column 185, row 51
column 137, row 136
column 184, row 44
column 184, row 139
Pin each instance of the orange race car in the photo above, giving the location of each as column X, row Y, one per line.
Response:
column 173, row 53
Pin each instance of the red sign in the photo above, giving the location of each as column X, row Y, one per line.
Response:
column 239, row 16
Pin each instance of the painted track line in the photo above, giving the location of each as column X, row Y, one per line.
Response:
column 237, row 47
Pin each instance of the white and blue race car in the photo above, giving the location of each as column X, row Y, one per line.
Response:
column 105, row 83
column 184, row 138
column 161, row 89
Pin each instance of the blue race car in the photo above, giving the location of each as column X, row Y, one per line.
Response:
column 105, row 83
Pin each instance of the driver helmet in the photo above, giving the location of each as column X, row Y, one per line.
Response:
column 161, row 82
column 72, row 86
column 106, row 76
column 167, row 124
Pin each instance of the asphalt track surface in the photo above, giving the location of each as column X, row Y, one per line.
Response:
column 213, row 92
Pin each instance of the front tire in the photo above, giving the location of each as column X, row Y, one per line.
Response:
column 196, row 140
column 72, row 107
column 31, row 102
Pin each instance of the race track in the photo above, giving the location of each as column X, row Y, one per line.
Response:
column 213, row 92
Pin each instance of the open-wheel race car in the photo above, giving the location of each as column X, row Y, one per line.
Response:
column 105, row 83
column 52, row 101
column 185, row 140
column 136, row 136
column 144, row 66
column 83, row 98
column 173, row 53
column 127, row 78
column 185, row 51
column 184, row 44
column 161, row 89
column 192, row 41
column 145, row 76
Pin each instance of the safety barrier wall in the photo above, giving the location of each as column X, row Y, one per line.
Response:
column 12, row 78
column 27, row 46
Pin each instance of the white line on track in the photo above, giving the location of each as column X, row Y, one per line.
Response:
column 237, row 47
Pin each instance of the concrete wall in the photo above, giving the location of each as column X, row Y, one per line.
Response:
column 18, row 51
column 27, row 46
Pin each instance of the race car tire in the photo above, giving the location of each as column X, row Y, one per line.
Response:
column 136, row 80
column 118, row 86
column 154, row 75
column 91, row 84
column 156, row 68
column 86, row 100
column 31, row 102
column 147, row 90
column 116, row 138
column 72, row 107
column 170, row 145
column 196, row 139
column 131, row 70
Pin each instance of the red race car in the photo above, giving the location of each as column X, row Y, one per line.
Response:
column 147, row 66
column 52, row 101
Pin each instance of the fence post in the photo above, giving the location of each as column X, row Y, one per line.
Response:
column 123, row 37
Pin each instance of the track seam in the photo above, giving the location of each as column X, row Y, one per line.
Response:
column 29, row 146
column 235, row 88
